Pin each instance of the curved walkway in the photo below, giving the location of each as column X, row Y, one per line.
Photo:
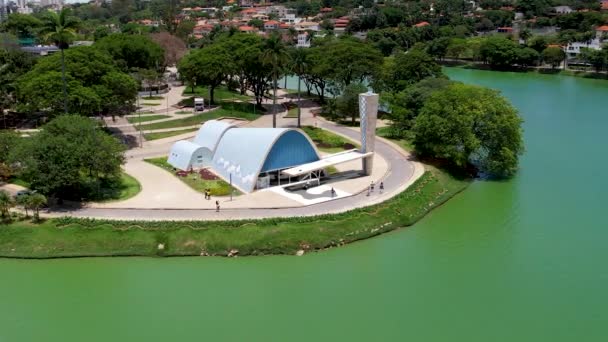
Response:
column 402, row 172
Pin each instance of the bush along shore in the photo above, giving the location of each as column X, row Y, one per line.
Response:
column 76, row 237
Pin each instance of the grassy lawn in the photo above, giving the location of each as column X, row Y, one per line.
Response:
column 150, row 104
column 403, row 143
column 184, row 112
column 217, row 187
column 219, row 94
column 152, row 97
column 292, row 113
column 136, row 119
column 127, row 188
column 198, row 119
column 160, row 135
column 327, row 141
column 86, row 237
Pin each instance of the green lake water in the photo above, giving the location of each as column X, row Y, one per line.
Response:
column 523, row 260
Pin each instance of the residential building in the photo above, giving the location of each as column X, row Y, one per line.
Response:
column 575, row 48
column 563, row 9
column 303, row 40
column 271, row 25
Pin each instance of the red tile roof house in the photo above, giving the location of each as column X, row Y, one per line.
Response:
column 247, row 28
column 604, row 5
column 271, row 25
column 504, row 30
column 202, row 29
column 341, row 23
column 422, row 24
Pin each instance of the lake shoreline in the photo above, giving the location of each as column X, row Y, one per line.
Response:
column 82, row 238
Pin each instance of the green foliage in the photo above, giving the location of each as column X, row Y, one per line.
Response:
column 35, row 202
column 132, row 52
column 217, row 187
column 88, row 237
column 327, row 141
column 200, row 118
column 8, row 142
column 467, row 124
column 58, row 28
column 71, row 157
column 499, row 52
column 347, row 104
column 161, row 135
column 22, row 25
column 347, row 60
column 554, row 56
column 92, row 81
column 597, row 58
column 405, row 105
column 208, row 66
column 6, row 203
column 405, row 69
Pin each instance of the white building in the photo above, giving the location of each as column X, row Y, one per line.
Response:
column 303, row 40
column 575, row 48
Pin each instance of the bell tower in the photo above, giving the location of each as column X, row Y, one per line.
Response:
column 368, row 111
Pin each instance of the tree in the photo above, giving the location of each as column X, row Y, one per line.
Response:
column 6, row 203
column 275, row 55
column 348, row 60
column 527, row 56
column 13, row 64
column 86, row 67
column 60, row 29
column 597, row 58
column 35, row 202
column 554, row 56
column 466, row 124
column 24, row 202
column 439, row 47
column 22, row 25
column 8, row 141
column 499, row 52
column 207, row 66
column 525, row 34
column 174, row 47
column 348, row 103
column 405, row 105
column 133, row 52
column 406, row 69
column 71, row 157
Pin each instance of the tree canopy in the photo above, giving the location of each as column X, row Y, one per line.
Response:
column 70, row 157
column 133, row 52
column 94, row 84
column 467, row 124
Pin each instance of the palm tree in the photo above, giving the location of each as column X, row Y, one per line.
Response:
column 60, row 29
column 299, row 64
column 275, row 54
column 36, row 201
column 6, row 203
column 24, row 201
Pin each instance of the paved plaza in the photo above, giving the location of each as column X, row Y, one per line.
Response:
column 165, row 197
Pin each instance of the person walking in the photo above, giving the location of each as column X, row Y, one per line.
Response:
column 206, row 194
column 333, row 193
column 371, row 187
column 217, row 206
column 381, row 187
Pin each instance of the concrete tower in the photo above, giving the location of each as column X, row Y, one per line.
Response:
column 368, row 111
